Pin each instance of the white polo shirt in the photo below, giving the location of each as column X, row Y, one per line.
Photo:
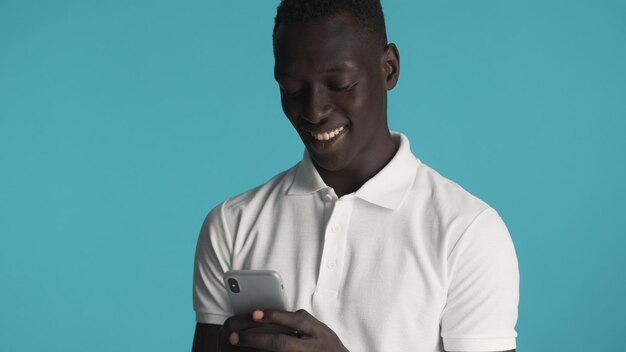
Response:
column 409, row 262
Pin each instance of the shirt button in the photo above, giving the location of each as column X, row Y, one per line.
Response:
column 331, row 264
column 335, row 228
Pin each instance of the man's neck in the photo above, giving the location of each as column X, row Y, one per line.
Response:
column 365, row 166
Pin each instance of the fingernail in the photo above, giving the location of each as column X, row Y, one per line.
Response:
column 258, row 315
column 234, row 338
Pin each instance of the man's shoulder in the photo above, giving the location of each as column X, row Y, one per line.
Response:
column 448, row 207
column 270, row 190
column 446, row 196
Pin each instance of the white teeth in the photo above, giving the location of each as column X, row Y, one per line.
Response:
column 324, row 136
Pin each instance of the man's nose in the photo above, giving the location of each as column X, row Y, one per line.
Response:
column 317, row 107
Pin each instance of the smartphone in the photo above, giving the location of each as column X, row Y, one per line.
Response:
column 249, row 290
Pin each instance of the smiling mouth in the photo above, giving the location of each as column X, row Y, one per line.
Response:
column 326, row 136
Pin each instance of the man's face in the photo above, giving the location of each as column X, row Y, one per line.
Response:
column 333, row 86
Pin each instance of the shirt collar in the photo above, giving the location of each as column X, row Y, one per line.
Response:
column 387, row 188
column 306, row 180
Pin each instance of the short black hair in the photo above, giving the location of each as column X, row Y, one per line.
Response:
column 368, row 13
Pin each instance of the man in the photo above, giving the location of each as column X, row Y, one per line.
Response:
column 377, row 251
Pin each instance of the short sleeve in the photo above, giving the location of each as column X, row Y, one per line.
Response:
column 483, row 293
column 212, row 260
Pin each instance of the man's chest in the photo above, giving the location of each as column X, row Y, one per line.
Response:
column 347, row 251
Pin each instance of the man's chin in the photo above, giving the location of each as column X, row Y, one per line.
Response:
column 328, row 162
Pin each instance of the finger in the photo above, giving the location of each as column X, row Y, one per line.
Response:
column 225, row 346
column 268, row 342
column 240, row 322
column 300, row 321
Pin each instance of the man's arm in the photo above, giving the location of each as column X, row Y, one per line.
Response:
column 205, row 338
column 483, row 294
column 502, row 351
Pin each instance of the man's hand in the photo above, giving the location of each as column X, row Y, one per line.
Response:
column 312, row 334
column 235, row 323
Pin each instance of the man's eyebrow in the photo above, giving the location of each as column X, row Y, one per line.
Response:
column 339, row 69
column 345, row 66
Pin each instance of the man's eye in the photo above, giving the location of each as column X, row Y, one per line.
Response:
column 342, row 87
column 292, row 92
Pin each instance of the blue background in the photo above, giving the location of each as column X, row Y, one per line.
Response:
column 122, row 123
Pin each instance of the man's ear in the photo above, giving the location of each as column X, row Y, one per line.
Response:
column 391, row 66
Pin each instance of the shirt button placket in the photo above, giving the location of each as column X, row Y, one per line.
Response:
column 334, row 246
